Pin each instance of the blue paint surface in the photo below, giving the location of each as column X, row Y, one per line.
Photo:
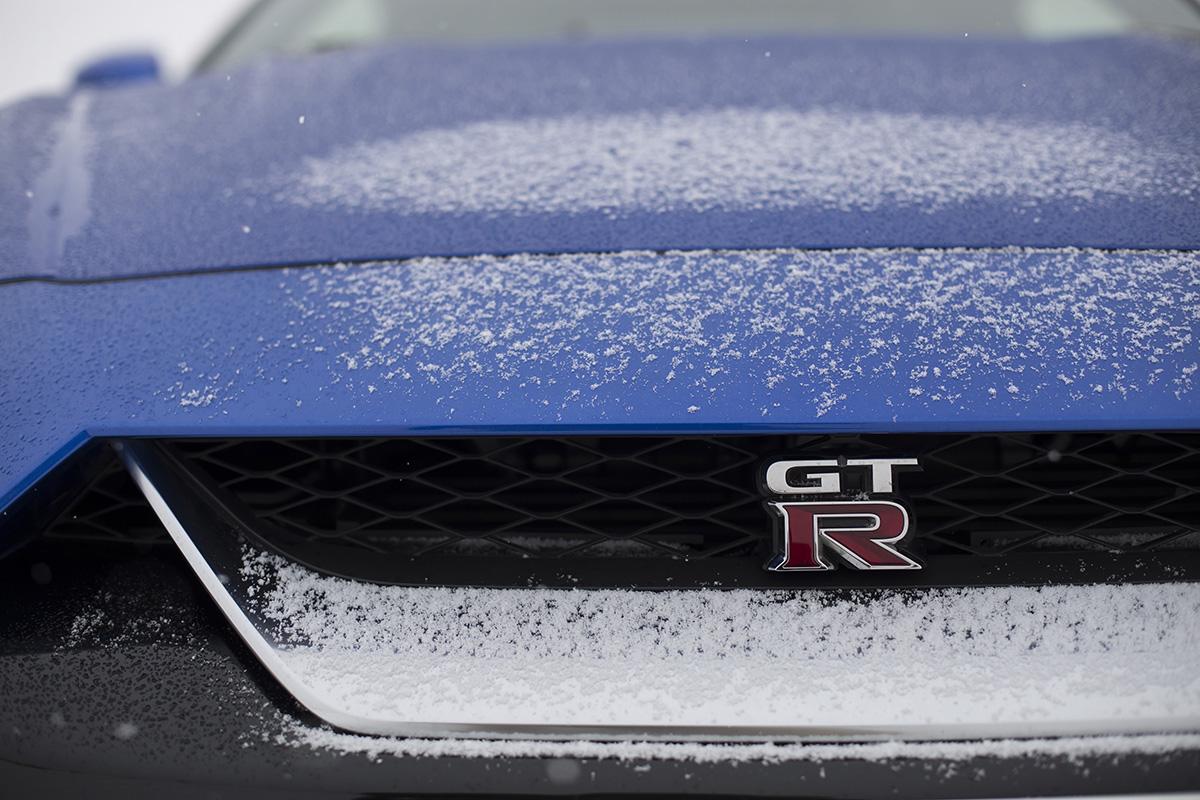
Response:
column 116, row 70
column 268, row 352
column 158, row 179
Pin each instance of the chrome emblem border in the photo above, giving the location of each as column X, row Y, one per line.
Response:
column 831, row 524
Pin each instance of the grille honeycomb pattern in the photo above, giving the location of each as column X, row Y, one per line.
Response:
column 697, row 497
column 108, row 509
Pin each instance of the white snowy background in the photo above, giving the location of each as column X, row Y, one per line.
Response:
column 43, row 42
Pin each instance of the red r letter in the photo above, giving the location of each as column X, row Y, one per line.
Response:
column 859, row 533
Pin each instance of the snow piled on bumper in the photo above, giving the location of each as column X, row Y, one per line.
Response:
column 703, row 753
column 1012, row 656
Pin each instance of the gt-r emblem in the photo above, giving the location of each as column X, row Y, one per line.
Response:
column 859, row 533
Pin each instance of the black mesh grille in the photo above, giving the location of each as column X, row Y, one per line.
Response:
column 697, row 497
column 108, row 509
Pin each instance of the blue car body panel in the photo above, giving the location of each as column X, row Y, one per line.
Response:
column 106, row 190
column 158, row 179
column 699, row 341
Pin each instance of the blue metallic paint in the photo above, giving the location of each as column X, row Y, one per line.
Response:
column 161, row 180
column 117, row 70
column 233, row 354
column 166, row 178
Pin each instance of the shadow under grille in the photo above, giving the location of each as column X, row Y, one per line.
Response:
column 109, row 509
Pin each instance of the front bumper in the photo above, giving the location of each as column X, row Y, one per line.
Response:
column 119, row 677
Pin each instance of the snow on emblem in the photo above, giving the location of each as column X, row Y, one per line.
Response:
column 839, row 519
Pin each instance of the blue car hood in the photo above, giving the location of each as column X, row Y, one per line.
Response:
column 399, row 152
column 420, row 154
column 695, row 341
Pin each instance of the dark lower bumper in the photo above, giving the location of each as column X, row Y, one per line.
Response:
column 117, row 678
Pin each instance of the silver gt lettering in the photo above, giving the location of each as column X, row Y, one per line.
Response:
column 824, row 476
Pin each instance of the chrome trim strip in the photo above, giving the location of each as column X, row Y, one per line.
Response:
column 212, row 544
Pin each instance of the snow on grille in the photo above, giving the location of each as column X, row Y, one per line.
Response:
column 981, row 655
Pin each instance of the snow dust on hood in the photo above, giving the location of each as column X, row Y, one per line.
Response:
column 857, row 337
column 740, row 159
column 398, row 152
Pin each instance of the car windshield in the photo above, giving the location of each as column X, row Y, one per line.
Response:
column 306, row 26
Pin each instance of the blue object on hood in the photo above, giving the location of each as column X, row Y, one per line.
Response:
column 877, row 143
column 117, row 70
